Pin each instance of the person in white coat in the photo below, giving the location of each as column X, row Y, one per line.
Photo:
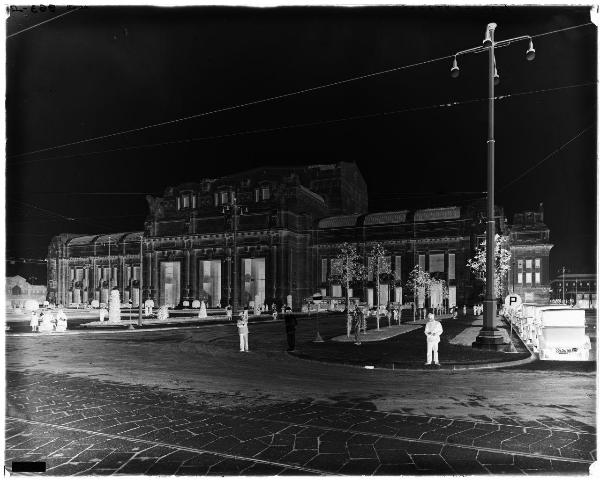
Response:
column 61, row 321
column 35, row 321
column 433, row 330
column 242, row 325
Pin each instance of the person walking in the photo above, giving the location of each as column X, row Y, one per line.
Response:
column 290, row 328
column 358, row 324
column 242, row 325
column 433, row 330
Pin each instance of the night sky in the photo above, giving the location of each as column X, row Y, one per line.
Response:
column 101, row 70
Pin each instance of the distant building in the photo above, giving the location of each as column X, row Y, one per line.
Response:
column 577, row 287
column 18, row 290
column 296, row 219
column 530, row 246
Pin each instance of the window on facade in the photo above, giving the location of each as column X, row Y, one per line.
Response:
column 528, row 277
column 538, row 279
column 528, row 263
column 385, row 262
column 323, row 270
column 186, row 201
column 224, row 197
column 422, row 262
column 451, row 266
column 178, row 203
column 436, row 262
column 520, row 264
column 519, row 278
column 538, row 263
column 266, row 193
column 336, row 266
column 398, row 268
column 257, row 195
column 193, row 201
column 216, row 199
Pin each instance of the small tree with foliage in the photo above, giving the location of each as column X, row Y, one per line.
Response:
column 347, row 267
column 477, row 264
column 418, row 279
column 438, row 283
column 380, row 268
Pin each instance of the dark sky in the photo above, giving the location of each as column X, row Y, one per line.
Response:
column 101, row 70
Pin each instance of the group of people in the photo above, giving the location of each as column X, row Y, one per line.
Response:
column 242, row 325
column 478, row 309
column 46, row 321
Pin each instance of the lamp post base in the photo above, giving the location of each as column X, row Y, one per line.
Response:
column 490, row 340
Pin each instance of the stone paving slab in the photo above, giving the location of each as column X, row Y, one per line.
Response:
column 159, row 432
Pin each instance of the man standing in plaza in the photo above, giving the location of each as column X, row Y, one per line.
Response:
column 433, row 330
column 242, row 325
column 290, row 328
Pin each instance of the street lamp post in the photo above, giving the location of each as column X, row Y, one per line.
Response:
column 235, row 210
column 141, row 282
column 563, row 284
column 489, row 337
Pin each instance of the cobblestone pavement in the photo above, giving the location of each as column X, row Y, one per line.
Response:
column 186, row 402
column 88, row 426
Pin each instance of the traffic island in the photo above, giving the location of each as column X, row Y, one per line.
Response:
column 407, row 350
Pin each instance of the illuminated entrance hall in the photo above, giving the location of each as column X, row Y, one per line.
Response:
column 210, row 277
column 170, row 283
column 254, row 281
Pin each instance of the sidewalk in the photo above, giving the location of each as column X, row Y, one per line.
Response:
column 404, row 347
column 127, row 324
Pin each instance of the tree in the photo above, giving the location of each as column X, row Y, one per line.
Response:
column 418, row 279
column 346, row 268
column 440, row 286
column 380, row 267
column 477, row 264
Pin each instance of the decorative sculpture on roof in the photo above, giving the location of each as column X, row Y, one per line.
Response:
column 155, row 206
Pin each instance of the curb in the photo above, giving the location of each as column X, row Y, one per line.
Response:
column 450, row 369
column 124, row 329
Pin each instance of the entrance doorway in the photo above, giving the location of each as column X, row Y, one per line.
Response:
column 210, row 279
column 170, row 283
column 253, row 277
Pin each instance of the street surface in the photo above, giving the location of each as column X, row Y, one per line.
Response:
column 186, row 401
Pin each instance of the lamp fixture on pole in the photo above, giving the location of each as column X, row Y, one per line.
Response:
column 489, row 337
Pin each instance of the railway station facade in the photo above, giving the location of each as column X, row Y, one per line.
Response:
column 287, row 226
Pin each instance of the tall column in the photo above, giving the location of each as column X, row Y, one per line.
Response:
column 194, row 275
column 188, row 286
column 148, row 271
column 274, row 270
column 121, row 276
column 155, row 277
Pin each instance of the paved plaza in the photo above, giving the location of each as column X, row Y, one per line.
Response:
column 185, row 401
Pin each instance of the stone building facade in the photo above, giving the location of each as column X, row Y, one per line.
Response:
column 18, row 290
column 530, row 246
column 291, row 222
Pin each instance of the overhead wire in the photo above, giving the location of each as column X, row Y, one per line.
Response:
column 547, row 157
column 42, row 23
column 300, row 125
column 58, row 215
column 263, row 100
